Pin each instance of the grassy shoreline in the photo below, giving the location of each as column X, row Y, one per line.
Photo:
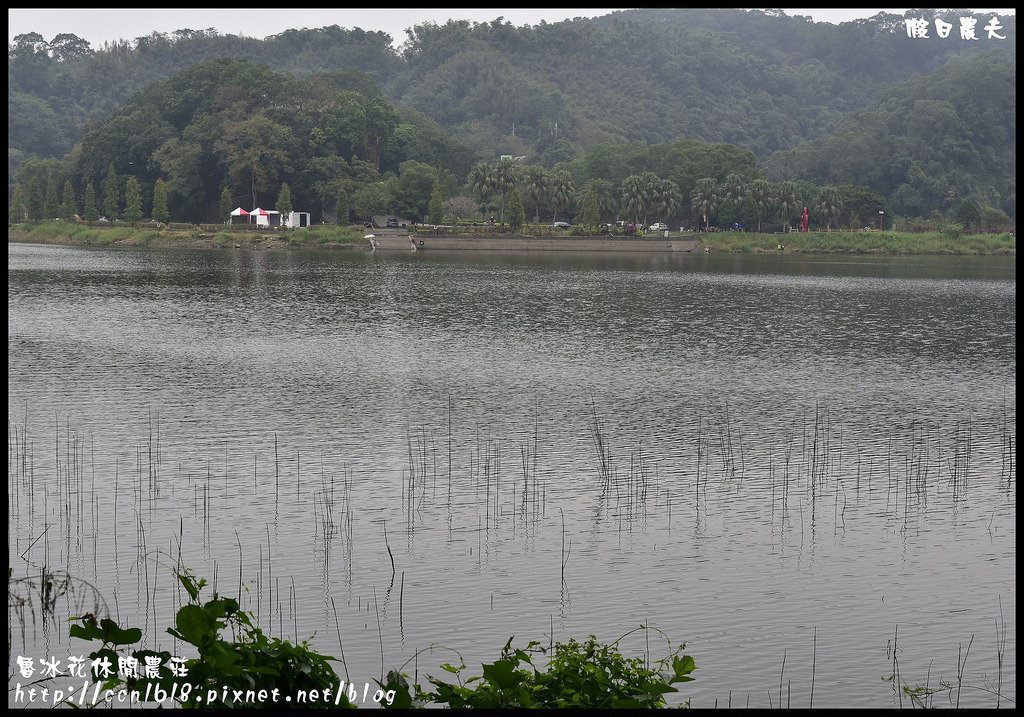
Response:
column 333, row 237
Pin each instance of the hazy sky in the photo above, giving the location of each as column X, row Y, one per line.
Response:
column 97, row 25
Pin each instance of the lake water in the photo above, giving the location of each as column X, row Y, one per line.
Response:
column 801, row 466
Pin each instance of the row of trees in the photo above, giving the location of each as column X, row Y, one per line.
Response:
column 32, row 203
column 506, row 187
column 646, row 197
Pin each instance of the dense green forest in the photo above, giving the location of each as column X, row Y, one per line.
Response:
column 699, row 116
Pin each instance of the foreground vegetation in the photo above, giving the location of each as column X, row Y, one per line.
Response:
column 249, row 669
column 252, row 670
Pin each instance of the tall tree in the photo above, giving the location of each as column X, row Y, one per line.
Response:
column 760, row 191
column 504, row 180
column 225, row 208
column 788, row 203
column 341, row 203
column 160, row 201
column 590, row 213
column 34, row 201
column 634, row 196
column 69, row 207
column 669, row 199
column 535, row 188
column 436, row 208
column 132, row 201
column 111, row 195
column 560, row 191
column 284, row 202
column 968, row 215
column 704, row 200
column 516, row 211
column 481, row 182
column 90, row 213
column 66, row 46
column 734, row 189
column 17, row 211
column 255, row 151
column 829, row 203
column 51, row 205
column 607, row 204
column 381, row 121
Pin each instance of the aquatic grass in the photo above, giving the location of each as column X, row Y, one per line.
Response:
column 911, row 458
column 862, row 242
column 326, row 235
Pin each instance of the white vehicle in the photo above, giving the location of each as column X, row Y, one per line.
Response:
column 658, row 227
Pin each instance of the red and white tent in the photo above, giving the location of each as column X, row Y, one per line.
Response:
column 262, row 217
column 239, row 212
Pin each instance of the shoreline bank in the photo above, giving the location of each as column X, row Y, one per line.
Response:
column 335, row 239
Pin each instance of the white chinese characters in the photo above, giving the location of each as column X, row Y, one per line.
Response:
column 918, row 28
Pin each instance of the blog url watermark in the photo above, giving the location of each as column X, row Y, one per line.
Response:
column 93, row 673
column 92, row 694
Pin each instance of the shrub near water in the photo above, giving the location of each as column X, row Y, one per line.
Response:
column 250, row 669
column 253, row 666
column 587, row 675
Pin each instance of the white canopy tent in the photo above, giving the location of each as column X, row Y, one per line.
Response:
column 265, row 217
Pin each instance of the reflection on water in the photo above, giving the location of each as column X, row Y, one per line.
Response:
column 777, row 459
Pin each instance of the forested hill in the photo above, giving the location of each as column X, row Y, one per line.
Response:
column 791, row 91
column 760, row 80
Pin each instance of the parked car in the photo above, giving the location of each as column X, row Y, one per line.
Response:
column 561, row 225
column 658, row 227
column 392, row 222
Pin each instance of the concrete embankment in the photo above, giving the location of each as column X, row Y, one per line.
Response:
column 406, row 242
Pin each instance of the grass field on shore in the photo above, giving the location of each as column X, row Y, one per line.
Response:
column 328, row 236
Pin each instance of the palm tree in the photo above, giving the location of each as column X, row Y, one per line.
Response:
column 670, row 199
column 760, row 190
column 634, row 196
column 704, row 199
column 606, row 202
column 561, row 190
column 504, row 174
column 788, row 202
column 590, row 213
column 735, row 189
column 535, row 187
column 481, row 183
column 829, row 203
column 653, row 187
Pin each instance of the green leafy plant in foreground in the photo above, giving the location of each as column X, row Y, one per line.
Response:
column 251, row 671
column 587, row 674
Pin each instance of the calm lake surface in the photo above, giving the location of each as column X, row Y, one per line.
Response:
column 801, row 466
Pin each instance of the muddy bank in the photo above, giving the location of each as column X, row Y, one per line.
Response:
column 514, row 243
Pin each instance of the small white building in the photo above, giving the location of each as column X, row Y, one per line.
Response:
column 273, row 218
column 296, row 220
column 265, row 217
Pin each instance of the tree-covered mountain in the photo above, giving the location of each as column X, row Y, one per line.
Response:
column 925, row 123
